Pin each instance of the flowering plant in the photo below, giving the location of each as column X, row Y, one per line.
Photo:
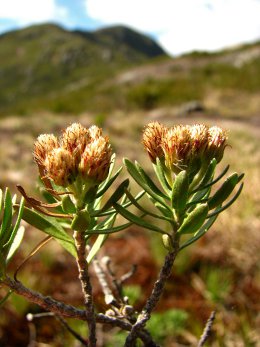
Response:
column 77, row 170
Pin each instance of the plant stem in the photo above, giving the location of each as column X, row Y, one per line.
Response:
column 46, row 302
column 57, row 307
column 86, row 285
column 154, row 298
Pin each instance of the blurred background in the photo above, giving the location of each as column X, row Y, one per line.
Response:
column 119, row 65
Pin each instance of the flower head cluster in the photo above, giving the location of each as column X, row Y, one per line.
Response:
column 181, row 146
column 78, row 152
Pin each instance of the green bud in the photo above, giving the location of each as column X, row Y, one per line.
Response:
column 81, row 221
column 194, row 220
column 224, row 191
column 90, row 194
column 167, row 242
column 180, row 191
column 67, row 205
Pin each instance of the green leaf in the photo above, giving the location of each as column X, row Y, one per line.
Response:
column 81, row 221
column 3, row 300
column 231, row 201
column 150, row 182
column 118, row 193
column 210, row 173
column 136, row 220
column 194, row 220
column 51, row 227
column 67, row 205
column 163, row 210
column 199, row 197
column 158, row 167
column 16, row 243
column 139, row 179
column 202, row 186
column 224, row 191
column 16, row 226
column 202, row 231
column 111, row 230
column 105, row 187
column 96, row 247
column 5, row 230
column 1, row 200
column 180, row 191
column 135, row 203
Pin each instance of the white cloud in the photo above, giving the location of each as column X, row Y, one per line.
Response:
column 25, row 12
column 184, row 25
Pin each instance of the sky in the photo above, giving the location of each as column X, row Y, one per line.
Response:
column 179, row 26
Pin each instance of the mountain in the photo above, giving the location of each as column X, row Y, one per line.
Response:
column 44, row 61
column 45, row 67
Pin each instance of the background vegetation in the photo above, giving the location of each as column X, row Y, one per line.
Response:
column 120, row 80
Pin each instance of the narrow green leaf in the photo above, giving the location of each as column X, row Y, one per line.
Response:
column 163, row 210
column 199, row 197
column 16, row 226
column 139, row 179
column 202, row 231
column 180, row 190
column 136, row 220
column 111, row 230
column 150, row 182
column 135, row 203
column 194, row 219
column 6, row 230
column 108, row 183
column 16, row 243
column 212, row 182
column 224, row 191
column 3, row 300
column 125, row 205
column 96, row 247
column 1, row 200
column 231, row 201
column 51, row 227
column 158, row 167
column 118, row 193
column 208, row 177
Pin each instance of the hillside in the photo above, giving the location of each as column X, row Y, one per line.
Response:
column 48, row 68
column 45, row 61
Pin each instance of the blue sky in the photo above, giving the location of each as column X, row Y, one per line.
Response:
column 178, row 25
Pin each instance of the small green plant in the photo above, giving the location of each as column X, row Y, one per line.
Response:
column 167, row 324
column 76, row 170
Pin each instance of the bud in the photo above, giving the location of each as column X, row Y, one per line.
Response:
column 95, row 132
column 95, row 160
column 167, row 242
column 217, row 138
column 81, row 221
column 176, row 146
column 60, row 167
column 74, row 139
column 152, row 139
column 199, row 138
column 44, row 144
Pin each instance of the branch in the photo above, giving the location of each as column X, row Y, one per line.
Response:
column 86, row 285
column 154, row 298
column 207, row 330
column 46, row 302
column 61, row 309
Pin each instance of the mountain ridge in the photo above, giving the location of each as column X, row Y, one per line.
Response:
column 46, row 67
